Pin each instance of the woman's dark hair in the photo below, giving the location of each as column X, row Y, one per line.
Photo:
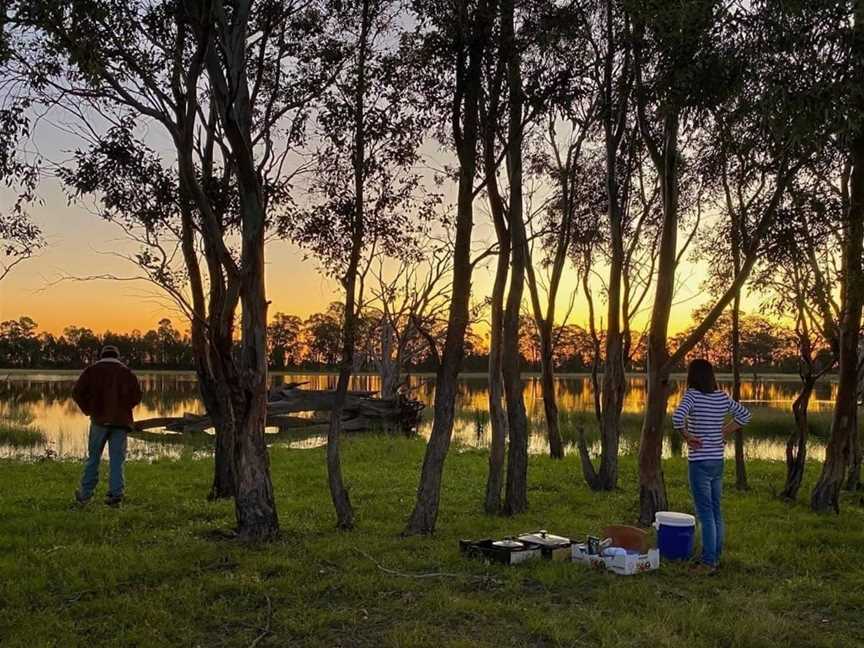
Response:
column 700, row 376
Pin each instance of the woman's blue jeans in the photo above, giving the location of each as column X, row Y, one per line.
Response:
column 115, row 438
column 706, row 484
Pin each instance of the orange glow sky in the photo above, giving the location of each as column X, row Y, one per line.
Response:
column 80, row 244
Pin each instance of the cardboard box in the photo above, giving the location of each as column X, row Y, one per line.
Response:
column 626, row 565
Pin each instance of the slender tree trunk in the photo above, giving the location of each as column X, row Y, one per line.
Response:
column 588, row 470
column 338, row 492
column 609, row 402
column 547, row 387
column 796, row 445
column 497, row 414
column 740, row 468
column 516, row 491
column 468, row 73
column 206, row 323
column 613, row 368
column 652, row 488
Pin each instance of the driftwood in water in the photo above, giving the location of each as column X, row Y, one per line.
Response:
column 362, row 412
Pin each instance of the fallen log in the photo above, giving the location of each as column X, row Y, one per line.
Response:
column 362, row 412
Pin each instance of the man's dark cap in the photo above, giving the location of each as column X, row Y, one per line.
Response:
column 110, row 351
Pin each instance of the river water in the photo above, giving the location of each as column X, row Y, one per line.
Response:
column 46, row 399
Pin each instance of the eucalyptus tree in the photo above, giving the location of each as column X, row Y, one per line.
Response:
column 230, row 89
column 627, row 287
column 457, row 39
column 842, row 42
column 492, row 116
column 615, row 82
column 690, row 59
column 797, row 275
column 365, row 197
column 741, row 169
column 569, row 61
column 519, row 83
column 516, row 485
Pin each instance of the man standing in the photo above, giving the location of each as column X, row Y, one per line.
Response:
column 106, row 392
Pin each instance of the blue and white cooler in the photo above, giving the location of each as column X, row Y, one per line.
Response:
column 676, row 533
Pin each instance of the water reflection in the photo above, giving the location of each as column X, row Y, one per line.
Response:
column 48, row 397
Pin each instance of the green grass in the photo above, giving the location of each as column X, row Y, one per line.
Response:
column 157, row 572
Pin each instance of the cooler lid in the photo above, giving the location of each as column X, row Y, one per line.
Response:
column 671, row 518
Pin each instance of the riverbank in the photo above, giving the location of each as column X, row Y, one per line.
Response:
column 726, row 377
column 159, row 571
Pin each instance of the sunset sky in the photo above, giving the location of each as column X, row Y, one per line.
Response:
column 80, row 244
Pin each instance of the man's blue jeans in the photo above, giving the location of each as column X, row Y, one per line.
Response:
column 115, row 437
column 706, row 484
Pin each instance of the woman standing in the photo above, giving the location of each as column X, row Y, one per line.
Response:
column 701, row 418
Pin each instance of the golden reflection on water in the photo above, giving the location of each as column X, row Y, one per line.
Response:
column 47, row 397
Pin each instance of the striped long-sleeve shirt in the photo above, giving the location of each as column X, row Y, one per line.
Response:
column 704, row 416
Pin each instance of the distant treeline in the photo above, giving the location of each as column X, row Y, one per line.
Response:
column 314, row 344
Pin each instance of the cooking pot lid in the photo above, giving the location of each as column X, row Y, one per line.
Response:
column 544, row 538
column 508, row 544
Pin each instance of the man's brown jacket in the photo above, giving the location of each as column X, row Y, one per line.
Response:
column 107, row 392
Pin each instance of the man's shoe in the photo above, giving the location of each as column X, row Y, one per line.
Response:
column 80, row 499
column 113, row 500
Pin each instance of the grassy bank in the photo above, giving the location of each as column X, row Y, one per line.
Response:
column 158, row 572
column 17, row 429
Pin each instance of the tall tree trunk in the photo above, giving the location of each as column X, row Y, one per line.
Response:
column 609, row 402
column 206, row 325
column 652, row 488
column 740, row 468
column 796, row 445
column 844, row 426
column 338, row 492
column 255, row 504
column 516, row 491
column 468, row 72
column 612, row 400
column 497, row 414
